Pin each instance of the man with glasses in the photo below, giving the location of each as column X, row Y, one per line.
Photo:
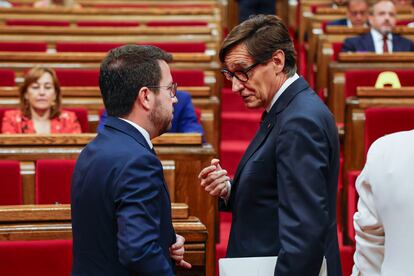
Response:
column 121, row 210
column 283, row 195
column 357, row 15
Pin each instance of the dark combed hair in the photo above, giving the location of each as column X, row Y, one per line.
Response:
column 262, row 35
column 124, row 71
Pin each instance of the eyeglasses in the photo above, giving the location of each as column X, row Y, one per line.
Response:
column 172, row 88
column 241, row 75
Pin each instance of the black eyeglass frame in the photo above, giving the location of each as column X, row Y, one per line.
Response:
column 229, row 75
column 172, row 88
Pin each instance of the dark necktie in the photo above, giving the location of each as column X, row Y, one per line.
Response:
column 385, row 45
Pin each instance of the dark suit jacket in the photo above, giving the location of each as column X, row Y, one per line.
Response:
column 338, row 22
column 283, row 195
column 365, row 43
column 121, row 211
column 184, row 120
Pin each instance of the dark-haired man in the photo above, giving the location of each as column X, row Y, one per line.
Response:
column 357, row 15
column 121, row 211
column 380, row 39
column 283, row 195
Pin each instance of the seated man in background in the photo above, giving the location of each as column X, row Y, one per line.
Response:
column 380, row 39
column 357, row 15
column 40, row 112
column 184, row 120
column 56, row 3
column 384, row 222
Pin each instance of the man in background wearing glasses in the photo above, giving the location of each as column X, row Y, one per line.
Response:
column 283, row 195
column 121, row 210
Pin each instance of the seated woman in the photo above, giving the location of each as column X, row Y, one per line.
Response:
column 40, row 112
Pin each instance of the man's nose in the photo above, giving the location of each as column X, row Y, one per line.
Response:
column 236, row 85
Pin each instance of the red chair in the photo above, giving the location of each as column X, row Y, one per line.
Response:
column 36, row 258
column 7, row 77
column 10, row 184
column 107, row 24
column 188, row 77
column 175, row 23
column 356, row 78
column 180, row 47
column 78, row 77
column 85, row 46
column 82, row 115
column 53, row 181
column 23, row 46
column 30, row 22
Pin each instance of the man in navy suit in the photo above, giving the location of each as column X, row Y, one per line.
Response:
column 121, row 210
column 184, row 120
column 283, row 195
column 357, row 15
column 379, row 39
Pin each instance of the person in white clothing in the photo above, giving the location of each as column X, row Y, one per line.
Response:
column 384, row 222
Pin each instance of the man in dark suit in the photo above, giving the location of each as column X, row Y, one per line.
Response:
column 121, row 211
column 379, row 39
column 283, row 195
column 184, row 119
column 357, row 15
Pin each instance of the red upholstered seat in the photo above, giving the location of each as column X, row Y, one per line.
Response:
column 7, row 77
column 107, row 23
column 85, row 46
column 78, row 77
column 36, row 258
column 53, row 181
column 179, row 47
column 337, row 46
column 29, row 22
column 382, row 121
column 10, row 184
column 7, row 46
column 188, row 77
column 356, row 78
column 352, row 200
column 82, row 115
column 175, row 23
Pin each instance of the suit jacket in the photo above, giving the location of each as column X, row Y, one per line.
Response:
column 121, row 211
column 338, row 22
column 283, row 196
column 184, row 120
column 384, row 222
column 365, row 43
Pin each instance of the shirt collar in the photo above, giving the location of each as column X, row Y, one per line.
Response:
column 284, row 86
column 141, row 130
column 377, row 36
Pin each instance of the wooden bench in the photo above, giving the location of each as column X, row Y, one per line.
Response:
column 51, row 222
column 186, row 150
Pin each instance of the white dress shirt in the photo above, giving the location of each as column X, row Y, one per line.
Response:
column 141, row 130
column 379, row 41
column 384, row 222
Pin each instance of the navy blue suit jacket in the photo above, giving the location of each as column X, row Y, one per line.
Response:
column 283, row 196
column 338, row 22
column 365, row 43
column 121, row 210
column 185, row 119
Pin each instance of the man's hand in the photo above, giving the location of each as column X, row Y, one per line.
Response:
column 214, row 179
column 177, row 252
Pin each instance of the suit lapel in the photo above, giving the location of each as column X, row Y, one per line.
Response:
column 369, row 42
column 395, row 43
column 270, row 121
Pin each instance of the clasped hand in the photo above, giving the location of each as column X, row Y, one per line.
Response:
column 214, row 179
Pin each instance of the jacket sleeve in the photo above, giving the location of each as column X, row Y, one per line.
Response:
column 303, row 162
column 138, row 217
column 369, row 231
column 187, row 118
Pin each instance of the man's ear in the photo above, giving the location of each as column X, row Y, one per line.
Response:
column 145, row 98
column 278, row 61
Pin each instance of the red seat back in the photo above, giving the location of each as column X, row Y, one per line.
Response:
column 85, row 46
column 10, row 184
column 382, row 121
column 175, row 23
column 179, row 47
column 356, row 78
column 352, row 201
column 91, row 23
column 8, row 46
column 7, row 77
column 36, row 258
column 82, row 115
column 337, row 46
column 78, row 77
column 188, row 77
column 30, row 22
column 53, row 181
